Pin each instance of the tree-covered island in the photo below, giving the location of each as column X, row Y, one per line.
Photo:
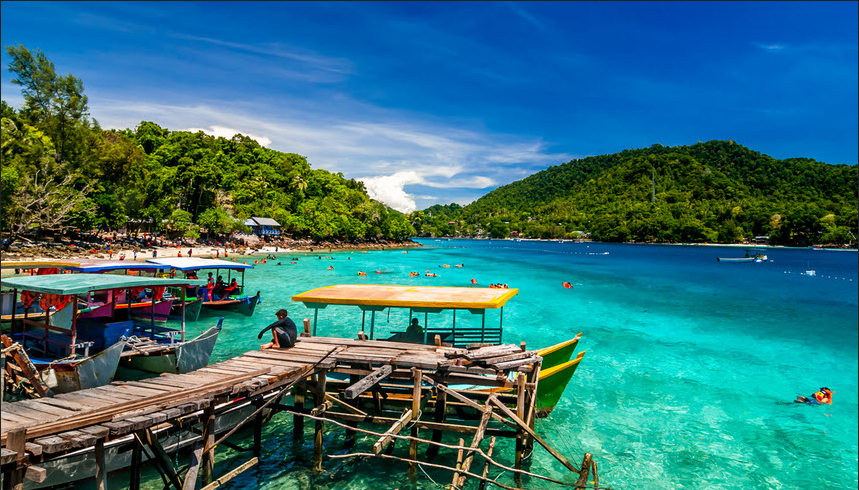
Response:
column 713, row 192
column 61, row 170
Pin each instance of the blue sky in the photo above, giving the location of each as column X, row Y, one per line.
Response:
column 442, row 102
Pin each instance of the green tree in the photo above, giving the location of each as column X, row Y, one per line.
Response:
column 55, row 104
column 42, row 195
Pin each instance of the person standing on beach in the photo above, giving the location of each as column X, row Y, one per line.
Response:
column 284, row 332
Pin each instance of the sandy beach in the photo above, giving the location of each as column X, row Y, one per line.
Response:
column 239, row 253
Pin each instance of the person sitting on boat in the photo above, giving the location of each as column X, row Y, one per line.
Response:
column 822, row 396
column 218, row 292
column 284, row 332
column 414, row 328
column 232, row 289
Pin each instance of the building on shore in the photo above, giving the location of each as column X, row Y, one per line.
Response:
column 263, row 226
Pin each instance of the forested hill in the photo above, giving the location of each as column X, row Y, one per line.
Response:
column 717, row 191
column 60, row 169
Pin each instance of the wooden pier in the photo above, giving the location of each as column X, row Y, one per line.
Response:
column 480, row 392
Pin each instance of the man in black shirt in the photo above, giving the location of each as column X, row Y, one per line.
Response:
column 283, row 331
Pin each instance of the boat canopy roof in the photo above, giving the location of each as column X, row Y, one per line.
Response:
column 193, row 263
column 408, row 296
column 66, row 284
column 32, row 264
column 101, row 265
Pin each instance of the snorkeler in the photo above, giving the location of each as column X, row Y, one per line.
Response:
column 823, row 396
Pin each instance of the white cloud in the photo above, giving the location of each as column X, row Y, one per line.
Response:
column 222, row 132
column 389, row 189
column 770, row 47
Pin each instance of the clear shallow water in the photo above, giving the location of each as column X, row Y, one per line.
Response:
column 690, row 369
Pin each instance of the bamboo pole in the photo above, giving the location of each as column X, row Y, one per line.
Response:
column 442, row 467
column 439, row 444
column 458, row 464
column 478, row 437
column 417, row 374
column 585, row 470
column 486, row 464
column 539, row 439
column 232, row 474
column 299, row 390
column 208, row 461
column 319, row 397
column 136, row 463
column 520, row 412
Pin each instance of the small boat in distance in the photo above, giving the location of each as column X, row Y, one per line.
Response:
column 752, row 255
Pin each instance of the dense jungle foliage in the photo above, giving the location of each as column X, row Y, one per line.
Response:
column 60, row 169
column 718, row 192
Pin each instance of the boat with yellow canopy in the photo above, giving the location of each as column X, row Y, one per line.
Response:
column 421, row 301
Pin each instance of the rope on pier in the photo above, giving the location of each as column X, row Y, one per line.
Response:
column 409, row 438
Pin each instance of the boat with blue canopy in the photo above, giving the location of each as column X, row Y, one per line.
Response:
column 60, row 345
column 102, row 303
column 215, row 298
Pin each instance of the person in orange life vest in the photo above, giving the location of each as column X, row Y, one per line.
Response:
column 822, row 396
column 232, row 288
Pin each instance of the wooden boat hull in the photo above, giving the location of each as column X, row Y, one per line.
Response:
column 244, row 306
column 162, row 308
column 192, row 309
column 180, row 358
column 91, row 372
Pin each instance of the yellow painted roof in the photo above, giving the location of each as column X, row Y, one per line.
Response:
column 408, row 296
column 32, row 264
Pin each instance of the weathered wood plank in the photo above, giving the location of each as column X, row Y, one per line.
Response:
column 517, row 363
column 395, row 429
column 368, row 381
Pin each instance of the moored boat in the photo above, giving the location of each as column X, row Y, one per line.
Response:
column 557, row 371
column 215, row 299
column 757, row 255
column 57, row 347
column 177, row 357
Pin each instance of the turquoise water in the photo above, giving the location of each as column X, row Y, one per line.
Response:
column 690, row 369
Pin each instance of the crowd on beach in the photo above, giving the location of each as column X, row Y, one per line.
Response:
column 142, row 246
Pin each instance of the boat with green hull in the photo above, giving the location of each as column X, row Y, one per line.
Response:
column 556, row 367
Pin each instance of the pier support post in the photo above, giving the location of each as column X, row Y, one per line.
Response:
column 417, row 374
column 100, row 467
column 299, row 390
column 136, row 462
column 520, row 412
column 440, row 409
column 258, row 431
column 319, row 398
column 208, row 461
column 16, row 441
column 351, row 435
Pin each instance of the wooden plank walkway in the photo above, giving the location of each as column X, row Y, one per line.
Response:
column 115, row 406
